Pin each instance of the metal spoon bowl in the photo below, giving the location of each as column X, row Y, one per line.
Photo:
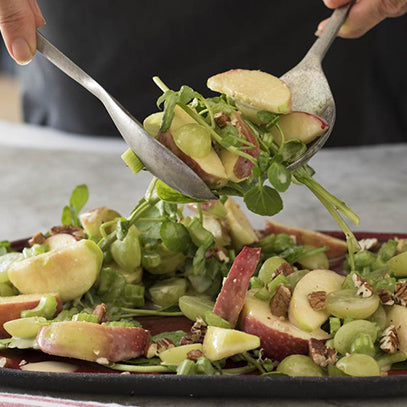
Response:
column 310, row 91
column 160, row 161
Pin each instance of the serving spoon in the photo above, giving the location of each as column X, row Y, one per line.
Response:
column 160, row 161
column 309, row 87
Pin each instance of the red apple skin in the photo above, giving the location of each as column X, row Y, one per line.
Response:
column 337, row 247
column 243, row 168
column 232, row 296
column 114, row 343
column 11, row 307
column 211, row 180
column 276, row 345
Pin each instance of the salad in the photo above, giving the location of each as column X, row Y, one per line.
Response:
column 244, row 301
column 190, row 288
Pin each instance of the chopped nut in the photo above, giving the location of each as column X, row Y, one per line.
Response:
column 194, row 354
column 22, row 362
column 385, row 297
column 364, row 288
column 317, row 300
column 321, row 354
column 38, row 238
column 75, row 231
column 285, row 269
column 369, row 244
column 164, row 344
column 100, row 312
column 151, row 350
column 389, row 341
column 401, row 245
column 221, row 119
column 5, row 362
column 400, row 294
column 220, row 254
column 280, row 301
column 197, row 333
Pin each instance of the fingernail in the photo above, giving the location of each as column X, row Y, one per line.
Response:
column 21, row 51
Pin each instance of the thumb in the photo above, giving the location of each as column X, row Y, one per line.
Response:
column 18, row 23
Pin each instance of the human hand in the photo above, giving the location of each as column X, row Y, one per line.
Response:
column 19, row 20
column 364, row 15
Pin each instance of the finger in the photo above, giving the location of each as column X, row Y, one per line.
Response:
column 18, row 26
column 335, row 3
column 39, row 18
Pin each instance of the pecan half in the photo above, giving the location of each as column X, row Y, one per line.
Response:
column 220, row 254
column 151, row 350
column 400, row 294
column 389, row 342
column 196, row 334
column 75, row 231
column 364, row 288
column 285, row 269
column 100, row 312
column 194, row 354
column 317, row 300
column 38, row 238
column 369, row 244
column 385, row 296
column 164, row 344
column 280, row 301
column 321, row 354
column 221, row 119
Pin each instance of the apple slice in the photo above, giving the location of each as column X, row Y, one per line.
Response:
column 239, row 168
column 92, row 220
column 56, row 242
column 337, row 247
column 209, row 168
column 300, row 125
column 300, row 312
column 220, row 343
column 241, row 231
column 397, row 316
column 92, row 342
column 69, row 271
column 256, row 89
column 231, row 298
column 217, row 227
column 279, row 338
column 11, row 307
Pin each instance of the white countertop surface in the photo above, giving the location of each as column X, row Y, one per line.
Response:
column 40, row 167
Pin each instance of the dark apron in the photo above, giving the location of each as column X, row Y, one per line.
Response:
column 123, row 43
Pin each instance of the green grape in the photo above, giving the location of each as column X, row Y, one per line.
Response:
column 193, row 307
column 167, row 292
column 152, row 123
column 7, row 290
column 358, row 365
column 215, row 320
column 193, row 139
column 349, row 332
column 398, row 265
column 345, row 303
column 299, row 365
column 295, row 277
column 385, row 361
column 269, row 267
column 5, row 261
column 379, row 317
column 317, row 261
column 335, row 372
column 127, row 252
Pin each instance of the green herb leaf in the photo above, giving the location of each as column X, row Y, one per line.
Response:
column 279, row 176
column 175, row 236
column 173, row 336
column 79, row 197
column 168, row 194
column 267, row 118
column 66, row 218
column 292, row 150
column 263, row 200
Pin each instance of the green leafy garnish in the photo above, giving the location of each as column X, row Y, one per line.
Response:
column 70, row 213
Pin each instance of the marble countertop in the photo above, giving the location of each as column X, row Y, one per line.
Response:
column 40, row 167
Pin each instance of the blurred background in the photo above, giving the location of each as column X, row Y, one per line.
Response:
column 122, row 44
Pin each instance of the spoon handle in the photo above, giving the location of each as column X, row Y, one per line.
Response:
column 55, row 56
column 328, row 35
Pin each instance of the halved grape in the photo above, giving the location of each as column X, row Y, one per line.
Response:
column 345, row 303
column 347, row 334
column 398, row 265
column 317, row 261
column 299, row 365
column 358, row 365
column 379, row 317
column 193, row 139
column 193, row 307
column 269, row 267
